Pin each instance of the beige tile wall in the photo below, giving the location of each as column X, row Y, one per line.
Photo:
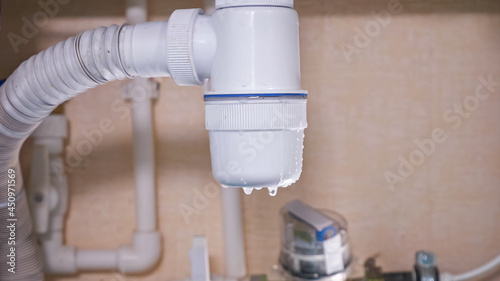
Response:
column 365, row 111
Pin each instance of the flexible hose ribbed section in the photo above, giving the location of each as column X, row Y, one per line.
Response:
column 28, row 258
column 38, row 86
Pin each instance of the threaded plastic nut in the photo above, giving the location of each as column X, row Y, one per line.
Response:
column 235, row 3
column 272, row 115
column 179, row 47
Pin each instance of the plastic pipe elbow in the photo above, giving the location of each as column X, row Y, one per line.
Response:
column 61, row 260
column 57, row 257
column 142, row 255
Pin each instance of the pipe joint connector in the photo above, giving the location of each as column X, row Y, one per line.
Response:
column 142, row 255
column 180, row 47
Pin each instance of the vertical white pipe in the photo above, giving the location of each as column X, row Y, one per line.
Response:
column 198, row 256
column 137, row 11
column 234, row 245
column 142, row 125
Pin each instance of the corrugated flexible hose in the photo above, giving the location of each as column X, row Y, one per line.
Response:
column 37, row 87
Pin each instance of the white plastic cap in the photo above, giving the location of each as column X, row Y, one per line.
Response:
column 256, row 143
column 235, row 3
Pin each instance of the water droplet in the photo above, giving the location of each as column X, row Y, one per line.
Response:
column 258, row 188
column 247, row 190
column 273, row 190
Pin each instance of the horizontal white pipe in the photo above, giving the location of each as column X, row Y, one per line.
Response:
column 143, row 254
column 144, row 50
column 96, row 259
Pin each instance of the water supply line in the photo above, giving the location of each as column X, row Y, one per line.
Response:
column 488, row 267
column 255, row 107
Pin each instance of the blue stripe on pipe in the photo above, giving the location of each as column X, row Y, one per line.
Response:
column 255, row 95
column 1, row 82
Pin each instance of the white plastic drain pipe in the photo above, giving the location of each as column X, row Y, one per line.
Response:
column 141, row 92
column 234, row 242
column 255, row 108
